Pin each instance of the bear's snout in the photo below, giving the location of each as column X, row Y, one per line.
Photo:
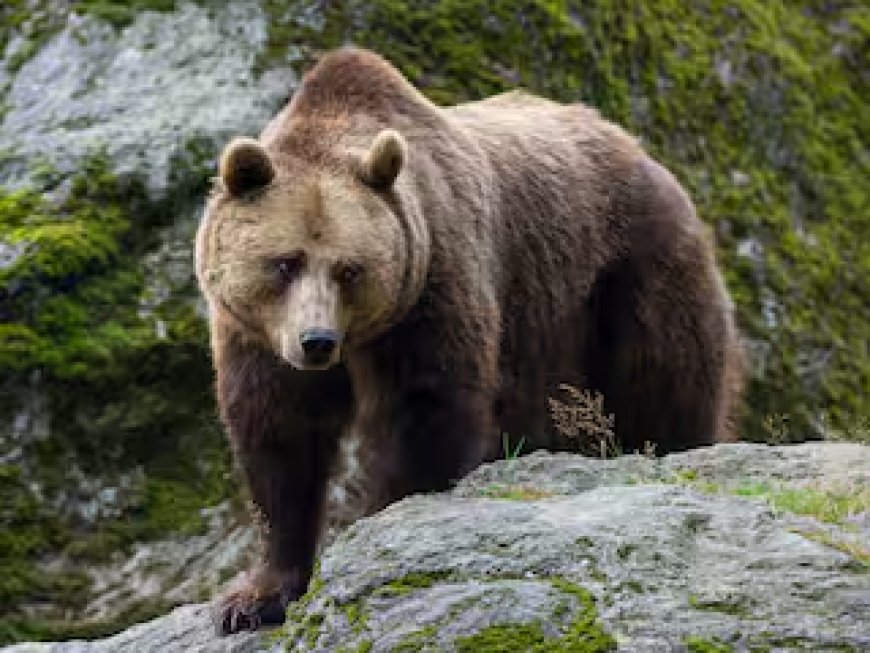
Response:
column 318, row 345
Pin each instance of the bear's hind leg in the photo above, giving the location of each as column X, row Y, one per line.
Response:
column 441, row 435
column 435, row 396
column 658, row 357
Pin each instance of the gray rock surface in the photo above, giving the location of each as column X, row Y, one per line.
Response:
column 187, row 629
column 92, row 88
column 669, row 549
column 175, row 569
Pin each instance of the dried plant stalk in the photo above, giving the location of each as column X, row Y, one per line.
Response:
column 581, row 417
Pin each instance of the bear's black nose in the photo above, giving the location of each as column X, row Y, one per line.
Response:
column 318, row 344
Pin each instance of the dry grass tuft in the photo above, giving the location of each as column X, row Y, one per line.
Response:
column 581, row 417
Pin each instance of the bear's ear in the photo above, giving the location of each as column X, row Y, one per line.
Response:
column 245, row 166
column 383, row 162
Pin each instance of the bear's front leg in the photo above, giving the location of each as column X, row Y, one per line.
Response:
column 284, row 426
column 286, row 482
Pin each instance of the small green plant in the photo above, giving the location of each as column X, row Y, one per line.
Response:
column 511, row 452
column 834, row 505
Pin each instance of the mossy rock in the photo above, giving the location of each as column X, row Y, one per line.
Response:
column 36, row 21
column 124, row 388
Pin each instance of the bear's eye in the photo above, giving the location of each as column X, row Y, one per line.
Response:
column 289, row 267
column 348, row 274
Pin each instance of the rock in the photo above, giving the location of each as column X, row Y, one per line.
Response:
column 186, row 629
column 641, row 554
column 142, row 94
column 174, row 569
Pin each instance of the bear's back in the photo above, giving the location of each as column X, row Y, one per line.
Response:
column 523, row 119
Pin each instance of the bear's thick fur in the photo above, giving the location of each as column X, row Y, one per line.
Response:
column 394, row 285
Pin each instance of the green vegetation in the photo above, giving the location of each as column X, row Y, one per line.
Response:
column 127, row 379
column 411, row 583
column 757, row 108
column 514, row 492
column 834, row 505
column 120, row 13
column 302, row 623
column 701, row 645
column 767, row 642
column 18, row 627
column 36, row 21
column 580, row 630
column 583, row 634
column 511, row 451
column 32, row 22
column 416, row 640
column 504, row 638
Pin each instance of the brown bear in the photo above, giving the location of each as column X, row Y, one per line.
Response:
column 393, row 285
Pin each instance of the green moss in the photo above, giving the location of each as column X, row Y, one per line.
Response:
column 415, row 641
column 411, row 583
column 580, row 627
column 701, row 645
column 687, row 475
column 122, row 394
column 356, row 616
column 33, row 22
column 121, row 13
column 503, row 639
column 632, row 586
column 36, row 21
column 585, row 632
column 31, row 529
column 755, row 106
column 833, row 505
column 514, row 492
column 582, row 634
column 302, row 624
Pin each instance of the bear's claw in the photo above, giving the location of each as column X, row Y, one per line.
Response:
column 249, row 609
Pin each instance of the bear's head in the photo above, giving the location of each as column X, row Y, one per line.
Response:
column 310, row 260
